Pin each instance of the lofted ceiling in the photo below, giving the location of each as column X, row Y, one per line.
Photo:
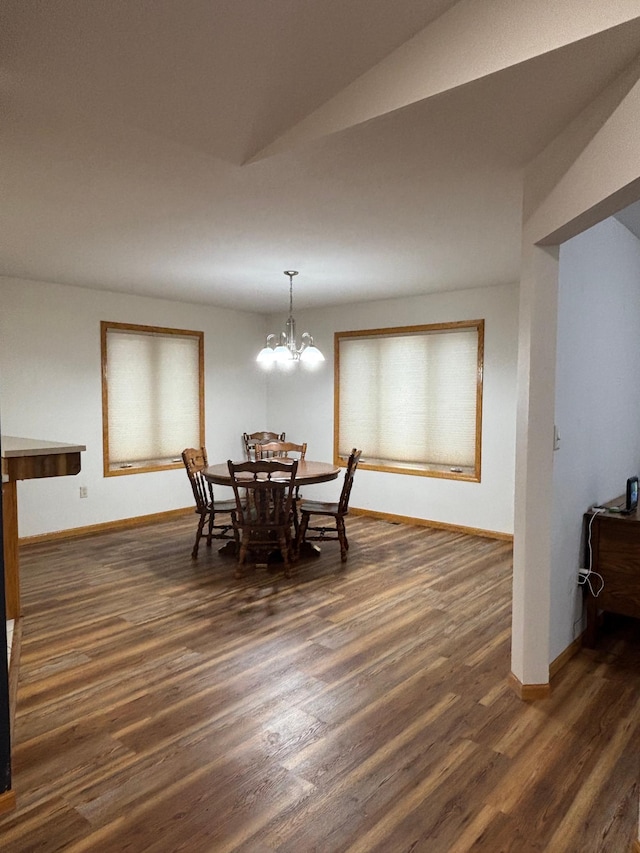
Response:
column 194, row 150
column 630, row 217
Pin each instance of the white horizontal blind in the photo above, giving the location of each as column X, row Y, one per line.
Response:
column 410, row 398
column 153, row 386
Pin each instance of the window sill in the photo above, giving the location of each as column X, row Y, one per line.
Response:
column 122, row 469
column 419, row 469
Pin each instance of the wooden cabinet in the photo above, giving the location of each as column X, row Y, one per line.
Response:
column 615, row 547
column 22, row 459
column 7, row 797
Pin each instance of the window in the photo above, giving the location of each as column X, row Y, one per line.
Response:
column 152, row 396
column 411, row 398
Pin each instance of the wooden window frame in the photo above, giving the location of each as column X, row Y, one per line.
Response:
column 426, row 469
column 150, row 465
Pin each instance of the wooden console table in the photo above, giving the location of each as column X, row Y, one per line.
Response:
column 23, row 459
column 615, row 546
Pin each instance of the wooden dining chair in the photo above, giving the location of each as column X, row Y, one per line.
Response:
column 252, row 438
column 195, row 460
column 270, row 449
column 275, row 449
column 263, row 491
column 329, row 530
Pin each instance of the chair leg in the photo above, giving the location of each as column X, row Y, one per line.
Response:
column 296, row 518
column 210, row 528
column 236, row 535
column 244, row 547
column 342, row 536
column 285, row 549
column 302, row 531
column 194, row 553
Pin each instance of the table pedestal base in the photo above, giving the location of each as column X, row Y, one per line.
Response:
column 308, row 549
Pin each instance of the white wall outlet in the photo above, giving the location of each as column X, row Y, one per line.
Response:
column 83, row 491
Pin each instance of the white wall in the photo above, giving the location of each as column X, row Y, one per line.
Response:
column 50, row 388
column 304, row 402
column 597, row 400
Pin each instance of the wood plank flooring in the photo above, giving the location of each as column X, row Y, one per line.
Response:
column 164, row 705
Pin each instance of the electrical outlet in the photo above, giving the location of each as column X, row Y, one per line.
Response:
column 83, row 491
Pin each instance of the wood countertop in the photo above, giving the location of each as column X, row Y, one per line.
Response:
column 32, row 458
column 13, row 446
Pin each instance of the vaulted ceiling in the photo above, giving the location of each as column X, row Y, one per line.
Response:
column 194, row 150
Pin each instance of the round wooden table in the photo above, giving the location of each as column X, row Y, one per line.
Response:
column 308, row 472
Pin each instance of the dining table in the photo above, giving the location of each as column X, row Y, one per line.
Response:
column 308, row 473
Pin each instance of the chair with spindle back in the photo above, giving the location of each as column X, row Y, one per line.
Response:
column 263, row 491
column 337, row 511
column 250, row 439
column 270, row 449
column 195, row 460
column 274, row 449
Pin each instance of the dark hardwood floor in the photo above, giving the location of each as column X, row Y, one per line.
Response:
column 164, row 705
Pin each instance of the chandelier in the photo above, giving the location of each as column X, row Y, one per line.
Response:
column 283, row 349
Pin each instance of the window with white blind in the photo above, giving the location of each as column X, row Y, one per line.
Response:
column 411, row 398
column 152, row 396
